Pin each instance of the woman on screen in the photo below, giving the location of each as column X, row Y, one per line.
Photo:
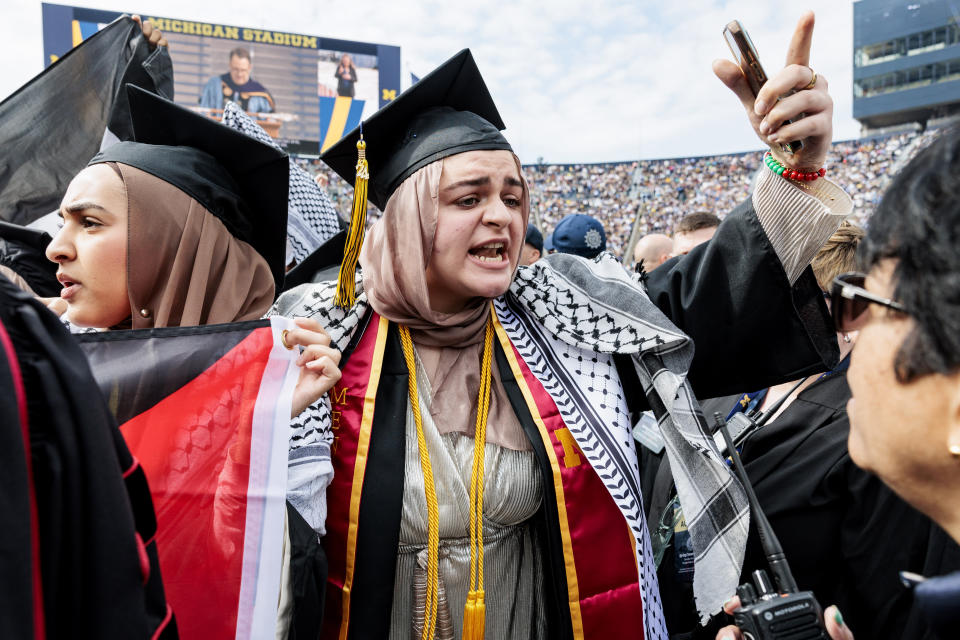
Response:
column 346, row 76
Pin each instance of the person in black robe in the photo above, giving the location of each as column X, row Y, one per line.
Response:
column 346, row 75
column 845, row 534
column 79, row 553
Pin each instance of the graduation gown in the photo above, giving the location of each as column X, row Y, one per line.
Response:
column 78, row 542
column 845, row 533
column 735, row 281
column 938, row 600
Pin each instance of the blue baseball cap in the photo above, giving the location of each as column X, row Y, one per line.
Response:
column 580, row 235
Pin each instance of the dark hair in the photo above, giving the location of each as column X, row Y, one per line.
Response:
column 917, row 223
column 696, row 221
column 239, row 52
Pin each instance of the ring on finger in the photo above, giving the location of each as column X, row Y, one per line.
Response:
column 813, row 80
column 283, row 340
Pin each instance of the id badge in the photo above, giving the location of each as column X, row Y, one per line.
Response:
column 683, row 554
column 647, row 432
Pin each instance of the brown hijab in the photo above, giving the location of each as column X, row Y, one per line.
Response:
column 183, row 267
column 394, row 260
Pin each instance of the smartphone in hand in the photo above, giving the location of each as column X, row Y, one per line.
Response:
column 746, row 57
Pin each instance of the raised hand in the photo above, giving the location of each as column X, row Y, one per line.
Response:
column 154, row 36
column 767, row 115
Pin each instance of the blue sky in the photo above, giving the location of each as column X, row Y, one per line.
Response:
column 575, row 81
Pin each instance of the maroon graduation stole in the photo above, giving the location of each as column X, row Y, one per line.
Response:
column 352, row 402
column 598, row 547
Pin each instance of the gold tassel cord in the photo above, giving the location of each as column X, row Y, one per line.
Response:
column 346, row 294
column 474, row 612
column 430, row 489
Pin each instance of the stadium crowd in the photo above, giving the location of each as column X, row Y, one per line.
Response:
column 662, row 191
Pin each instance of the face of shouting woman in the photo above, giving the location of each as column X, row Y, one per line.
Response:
column 91, row 249
column 480, row 229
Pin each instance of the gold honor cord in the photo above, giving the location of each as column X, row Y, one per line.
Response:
column 474, row 611
column 433, row 511
column 346, row 294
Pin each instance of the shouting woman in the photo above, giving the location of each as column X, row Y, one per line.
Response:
column 484, row 477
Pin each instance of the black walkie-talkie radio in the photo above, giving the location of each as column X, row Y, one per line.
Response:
column 771, row 610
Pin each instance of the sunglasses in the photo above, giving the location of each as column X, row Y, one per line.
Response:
column 848, row 301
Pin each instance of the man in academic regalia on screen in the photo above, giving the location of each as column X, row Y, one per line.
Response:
column 237, row 85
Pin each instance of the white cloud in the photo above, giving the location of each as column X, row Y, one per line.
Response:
column 575, row 81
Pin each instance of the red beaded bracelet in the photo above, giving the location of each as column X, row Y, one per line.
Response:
column 781, row 170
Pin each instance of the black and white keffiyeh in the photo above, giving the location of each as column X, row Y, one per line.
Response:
column 311, row 217
column 567, row 316
column 596, row 307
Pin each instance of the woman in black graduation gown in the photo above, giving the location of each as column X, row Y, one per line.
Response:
column 844, row 532
column 184, row 226
column 903, row 374
column 557, row 385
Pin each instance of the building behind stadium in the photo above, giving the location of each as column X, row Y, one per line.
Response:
column 906, row 62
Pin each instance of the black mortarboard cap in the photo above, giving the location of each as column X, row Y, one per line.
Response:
column 447, row 112
column 323, row 258
column 237, row 178
column 23, row 250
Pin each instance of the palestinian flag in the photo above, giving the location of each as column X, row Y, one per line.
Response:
column 206, row 411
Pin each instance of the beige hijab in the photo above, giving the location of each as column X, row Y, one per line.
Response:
column 394, row 260
column 184, row 267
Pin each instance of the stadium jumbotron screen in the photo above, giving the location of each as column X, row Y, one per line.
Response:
column 306, row 91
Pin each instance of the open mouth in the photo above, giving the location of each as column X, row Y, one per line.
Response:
column 492, row 252
column 69, row 286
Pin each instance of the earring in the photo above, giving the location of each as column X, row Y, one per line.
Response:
column 846, row 338
column 954, row 450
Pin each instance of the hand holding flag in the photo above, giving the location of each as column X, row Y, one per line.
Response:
column 152, row 34
column 318, row 362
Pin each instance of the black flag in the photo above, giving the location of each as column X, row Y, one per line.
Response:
column 52, row 126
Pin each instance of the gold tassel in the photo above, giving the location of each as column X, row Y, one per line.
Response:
column 474, row 616
column 475, row 609
column 346, row 282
